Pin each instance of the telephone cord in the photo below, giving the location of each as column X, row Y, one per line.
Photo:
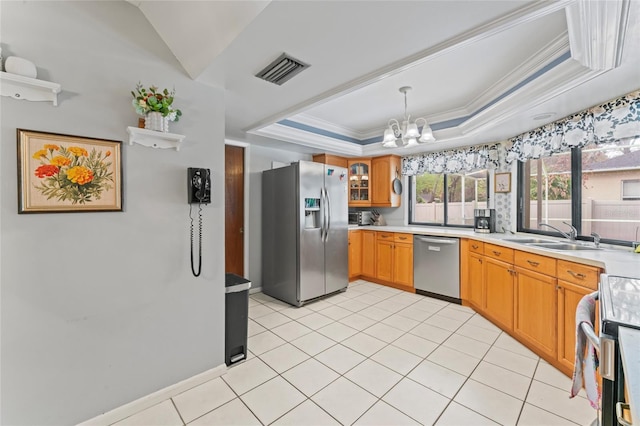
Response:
column 199, row 239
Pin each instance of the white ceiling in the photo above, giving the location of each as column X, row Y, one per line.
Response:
column 480, row 70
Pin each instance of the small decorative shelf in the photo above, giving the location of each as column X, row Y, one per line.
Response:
column 154, row 139
column 30, row 89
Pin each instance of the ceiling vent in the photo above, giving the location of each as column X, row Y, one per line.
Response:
column 282, row 69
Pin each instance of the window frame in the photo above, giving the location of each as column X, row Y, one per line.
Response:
column 444, row 224
column 576, row 203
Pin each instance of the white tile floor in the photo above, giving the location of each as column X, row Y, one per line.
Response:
column 376, row 356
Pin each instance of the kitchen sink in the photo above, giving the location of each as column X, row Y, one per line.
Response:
column 563, row 246
column 527, row 240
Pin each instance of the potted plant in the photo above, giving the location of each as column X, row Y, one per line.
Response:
column 156, row 106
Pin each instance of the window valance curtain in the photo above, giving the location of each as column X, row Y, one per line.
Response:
column 452, row 161
column 616, row 119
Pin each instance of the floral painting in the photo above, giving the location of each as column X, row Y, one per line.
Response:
column 60, row 173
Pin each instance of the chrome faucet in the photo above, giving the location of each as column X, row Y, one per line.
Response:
column 573, row 232
column 596, row 239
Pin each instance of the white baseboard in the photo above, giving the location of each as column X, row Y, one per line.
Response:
column 255, row 290
column 154, row 398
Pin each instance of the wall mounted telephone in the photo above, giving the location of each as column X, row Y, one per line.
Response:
column 199, row 186
column 198, row 192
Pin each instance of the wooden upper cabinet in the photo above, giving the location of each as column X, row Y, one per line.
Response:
column 359, row 182
column 331, row 159
column 384, row 170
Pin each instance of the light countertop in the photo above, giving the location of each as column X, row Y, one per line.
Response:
column 615, row 261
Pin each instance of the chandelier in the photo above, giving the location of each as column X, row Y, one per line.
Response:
column 407, row 133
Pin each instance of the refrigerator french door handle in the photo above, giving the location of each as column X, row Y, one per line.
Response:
column 323, row 228
column 326, row 232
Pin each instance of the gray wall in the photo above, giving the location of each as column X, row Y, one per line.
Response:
column 99, row 309
column 259, row 159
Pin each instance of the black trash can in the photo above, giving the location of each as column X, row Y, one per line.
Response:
column 236, row 318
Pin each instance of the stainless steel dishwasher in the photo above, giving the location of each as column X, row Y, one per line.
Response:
column 436, row 267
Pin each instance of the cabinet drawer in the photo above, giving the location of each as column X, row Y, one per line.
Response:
column 534, row 262
column 476, row 246
column 577, row 273
column 498, row 252
column 384, row 236
column 403, row 238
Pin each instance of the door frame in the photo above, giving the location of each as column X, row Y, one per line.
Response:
column 247, row 207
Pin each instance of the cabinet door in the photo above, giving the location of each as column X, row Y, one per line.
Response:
column 355, row 253
column 369, row 253
column 568, row 297
column 384, row 260
column 475, row 280
column 536, row 310
column 383, row 172
column 403, row 264
column 498, row 292
column 359, row 183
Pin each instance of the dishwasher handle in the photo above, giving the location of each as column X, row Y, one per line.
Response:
column 436, row 240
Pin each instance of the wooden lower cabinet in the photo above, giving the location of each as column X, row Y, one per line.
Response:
column 384, row 259
column 475, row 280
column 355, row 254
column 531, row 297
column 569, row 296
column 403, row 264
column 368, row 254
column 498, row 292
column 536, row 294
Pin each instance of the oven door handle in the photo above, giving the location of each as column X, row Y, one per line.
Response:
column 591, row 335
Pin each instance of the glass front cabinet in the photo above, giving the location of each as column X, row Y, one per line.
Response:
column 359, row 183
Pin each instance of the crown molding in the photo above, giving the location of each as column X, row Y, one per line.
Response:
column 309, row 120
column 527, row 13
column 597, row 31
column 312, row 140
column 553, row 51
column 564, row 77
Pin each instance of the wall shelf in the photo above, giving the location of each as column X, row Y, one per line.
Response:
column 154, row 139
column 30, row 89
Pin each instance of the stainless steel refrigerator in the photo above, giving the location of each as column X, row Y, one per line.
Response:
column 304, row 231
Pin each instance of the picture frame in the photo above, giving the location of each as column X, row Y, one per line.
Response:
column 63, row 173
column 502, row 182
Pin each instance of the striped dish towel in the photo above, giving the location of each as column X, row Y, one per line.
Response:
column 584, row 370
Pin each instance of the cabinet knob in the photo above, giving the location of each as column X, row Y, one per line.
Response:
column 497, row 253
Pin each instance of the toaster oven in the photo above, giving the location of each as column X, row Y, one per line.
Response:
column 360, row 218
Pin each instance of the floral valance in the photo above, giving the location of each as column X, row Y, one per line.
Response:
column 453, row 161
column 616, row 119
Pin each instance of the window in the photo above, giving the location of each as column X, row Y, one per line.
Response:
column 631, row 189
column 447, row 199
column 595, row 188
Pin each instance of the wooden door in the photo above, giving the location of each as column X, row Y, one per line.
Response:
column 384, row 260
column 536, row 310
column 568, row 297
column 355, row 253
column 403, row 264
column 369, row 253
column 475, row 280
column 498, row 292
column 234, row 209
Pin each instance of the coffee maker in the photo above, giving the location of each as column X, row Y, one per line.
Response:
column 484, row 220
